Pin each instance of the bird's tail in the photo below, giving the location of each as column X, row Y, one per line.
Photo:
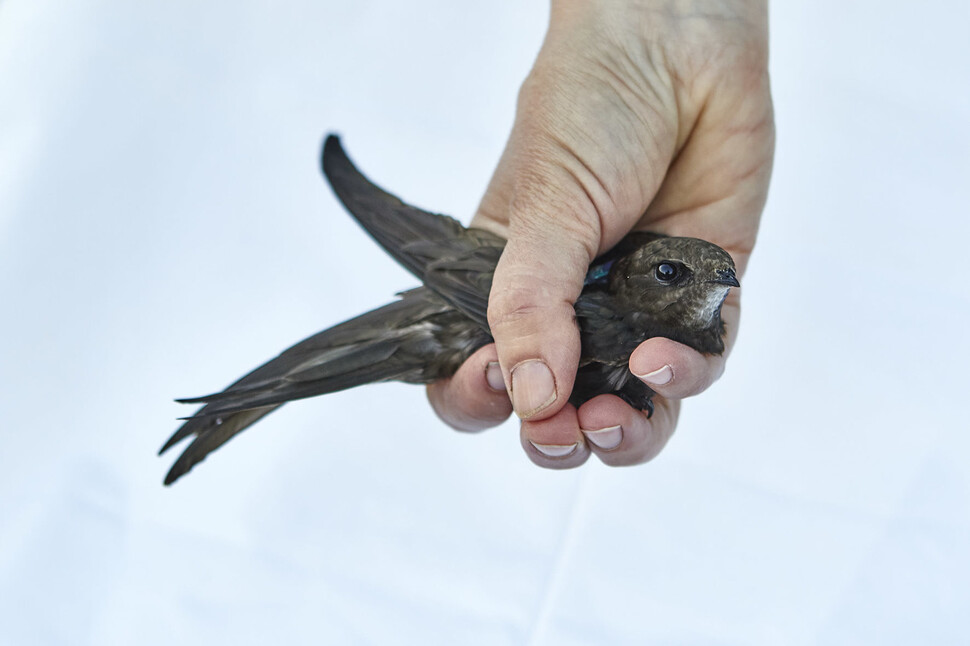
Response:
column 389, row 343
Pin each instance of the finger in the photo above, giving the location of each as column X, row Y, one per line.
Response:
column 553, row 234
column 532, row 319
column 474, row 398
column 555, row 442
column 620, row 435
column 552, row 205
column 675, row 370
column 564, row 191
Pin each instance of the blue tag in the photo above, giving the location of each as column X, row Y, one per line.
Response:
column 598, row 273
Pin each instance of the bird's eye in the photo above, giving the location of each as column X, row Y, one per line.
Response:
column 667, row 272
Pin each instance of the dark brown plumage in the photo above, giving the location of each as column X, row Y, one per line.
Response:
column 648, row 285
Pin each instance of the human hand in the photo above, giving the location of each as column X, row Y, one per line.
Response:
column 654, row 115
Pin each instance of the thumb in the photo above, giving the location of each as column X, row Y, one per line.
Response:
column 532, row 319
column 577, row 173
column 553, row 234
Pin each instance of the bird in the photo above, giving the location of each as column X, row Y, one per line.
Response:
column 648, row 285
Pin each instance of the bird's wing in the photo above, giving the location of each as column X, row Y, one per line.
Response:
column 605, row 328
column 383, row 344
column 465, row 281
column 455, row 262
column 210, row 432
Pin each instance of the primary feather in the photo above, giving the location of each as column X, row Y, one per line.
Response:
column 427, row 334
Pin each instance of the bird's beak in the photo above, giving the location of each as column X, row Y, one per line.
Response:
column 726, row 277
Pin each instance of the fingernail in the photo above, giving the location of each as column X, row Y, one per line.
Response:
column 605, row 438
column 493, row 375
column 533, row 387
column 658, row 377
column 555, row 450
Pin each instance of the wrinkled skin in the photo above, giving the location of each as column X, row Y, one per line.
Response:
column 637, row 115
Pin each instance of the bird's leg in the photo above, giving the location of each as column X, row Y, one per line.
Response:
column 637, row 394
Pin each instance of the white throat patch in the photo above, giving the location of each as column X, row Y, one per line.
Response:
column 711, row 305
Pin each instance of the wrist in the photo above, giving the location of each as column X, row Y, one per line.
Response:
column 661, row 17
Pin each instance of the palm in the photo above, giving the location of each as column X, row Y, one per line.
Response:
column 617, row 130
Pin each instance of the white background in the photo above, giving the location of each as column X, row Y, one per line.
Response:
column 164, row 228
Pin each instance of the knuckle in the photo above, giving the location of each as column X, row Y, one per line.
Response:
column 466, row 414
column 700, row 377
column 510, row 305
column 637, row 453
column 438, row 399
column 520, row 299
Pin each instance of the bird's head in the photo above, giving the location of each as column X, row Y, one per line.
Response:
column 679, row 282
